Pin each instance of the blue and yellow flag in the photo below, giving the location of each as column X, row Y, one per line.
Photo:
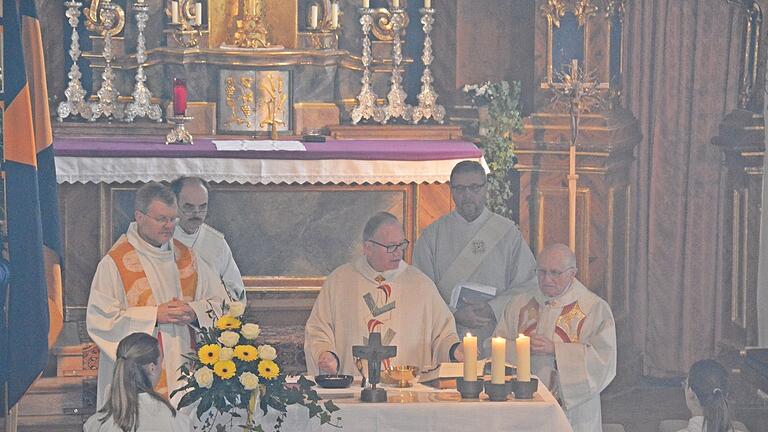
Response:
column 34, row 309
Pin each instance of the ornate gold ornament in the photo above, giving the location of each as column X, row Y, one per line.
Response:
column 584, row 10
column 616, row 7
column 248, row 29
column 94, row 18
column 246, row 84
column 382, row 24
column 553, row 11
column 274, row 90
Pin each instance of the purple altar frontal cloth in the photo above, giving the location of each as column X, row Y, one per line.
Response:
column 404, row 150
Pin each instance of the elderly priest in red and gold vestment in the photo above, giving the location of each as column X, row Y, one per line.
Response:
column 573, row 337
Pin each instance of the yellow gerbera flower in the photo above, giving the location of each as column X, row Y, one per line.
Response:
column 225, row 369
column 209, row 354
column 228, row 323
column 268, row 369
column 246, row 353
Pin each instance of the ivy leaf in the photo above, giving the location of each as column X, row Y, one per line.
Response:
column 330, row 406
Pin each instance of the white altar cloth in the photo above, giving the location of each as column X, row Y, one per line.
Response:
column 432, row 413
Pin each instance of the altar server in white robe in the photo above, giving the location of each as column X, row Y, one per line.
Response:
column 206, row 241
column 379, row 292
column 150, row 284
column 573, row 337
column 473, row 244
column 132, row 403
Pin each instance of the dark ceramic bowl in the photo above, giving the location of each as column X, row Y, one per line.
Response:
column 334, row 381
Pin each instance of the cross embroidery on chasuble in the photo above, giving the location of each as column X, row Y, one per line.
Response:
column 380, row 308
column 567, row 326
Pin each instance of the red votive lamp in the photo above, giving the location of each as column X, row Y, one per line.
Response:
column 179, row 96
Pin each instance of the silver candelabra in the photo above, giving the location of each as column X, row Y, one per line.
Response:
column 366, row 101
column 428, row 106
column 75, row 93
column 107, row 105
column 396, row 106
column 141, row 105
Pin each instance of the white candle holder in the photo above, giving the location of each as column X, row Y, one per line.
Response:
column 366, row 101
column 75, row 93
column 107, row 106
column 428, row 106
column 141, row 105
column 396, row 106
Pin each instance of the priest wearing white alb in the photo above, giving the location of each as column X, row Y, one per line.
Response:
column 207, row 242
column 573, row 337
column 150, row 284
column 379, row 292
column 474, row 245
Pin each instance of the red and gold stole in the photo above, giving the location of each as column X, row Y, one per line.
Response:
column 137, row 289
column 567, row 327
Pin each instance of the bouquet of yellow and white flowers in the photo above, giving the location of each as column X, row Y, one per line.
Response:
column 231, row 372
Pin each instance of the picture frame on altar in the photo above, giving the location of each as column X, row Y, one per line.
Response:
column 247, row 99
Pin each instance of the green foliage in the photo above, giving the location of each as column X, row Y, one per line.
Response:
column 228, row 395
column 496, row 137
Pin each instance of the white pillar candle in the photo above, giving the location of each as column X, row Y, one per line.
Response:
column 367, row 4
column 498, row 356
column 199, row 13
column 523, row 351
column 313, row 10
column 334, row 15
column 470, row 357
column 174, row 12
column 427, row 4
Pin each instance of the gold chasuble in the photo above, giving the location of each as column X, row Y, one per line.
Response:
column 137, row 289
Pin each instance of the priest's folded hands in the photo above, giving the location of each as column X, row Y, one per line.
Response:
column 175, row 312
column 327, row 363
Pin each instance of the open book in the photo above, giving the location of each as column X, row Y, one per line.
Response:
column 468, row 292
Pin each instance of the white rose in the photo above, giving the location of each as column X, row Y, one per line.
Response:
column 204, row 377
column 249, row 380
column 251, row 331
column 229, row 338
column 236, row 309
column 267, row 352
column 226, row 354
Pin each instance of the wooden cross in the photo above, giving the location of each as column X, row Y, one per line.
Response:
column 374, row 352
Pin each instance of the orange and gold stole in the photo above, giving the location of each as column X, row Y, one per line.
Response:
column 137, row 289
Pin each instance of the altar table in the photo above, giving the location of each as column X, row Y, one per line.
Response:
column 143, row 159
column 421, row 409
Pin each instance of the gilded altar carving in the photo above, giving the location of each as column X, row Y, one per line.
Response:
column 248, row 29
column 382, row 24
column 553, row 10
column 94, row 18
column 616, row 7
column 253, row 101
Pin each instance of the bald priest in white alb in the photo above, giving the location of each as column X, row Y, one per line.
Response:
column 207, row 242
column 379, row 292
column 150, row 284
column 573, row 337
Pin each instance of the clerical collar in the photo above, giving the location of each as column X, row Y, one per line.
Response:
column 558, row 301
column 484, row 215
column 365, row 269
column 162, row 252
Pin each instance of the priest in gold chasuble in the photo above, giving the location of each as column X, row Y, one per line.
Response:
column 378, row 292
column 573, row 337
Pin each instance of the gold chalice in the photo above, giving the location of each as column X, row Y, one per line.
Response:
column 402, row 376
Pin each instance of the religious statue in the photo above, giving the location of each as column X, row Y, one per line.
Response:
column 374, row 352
